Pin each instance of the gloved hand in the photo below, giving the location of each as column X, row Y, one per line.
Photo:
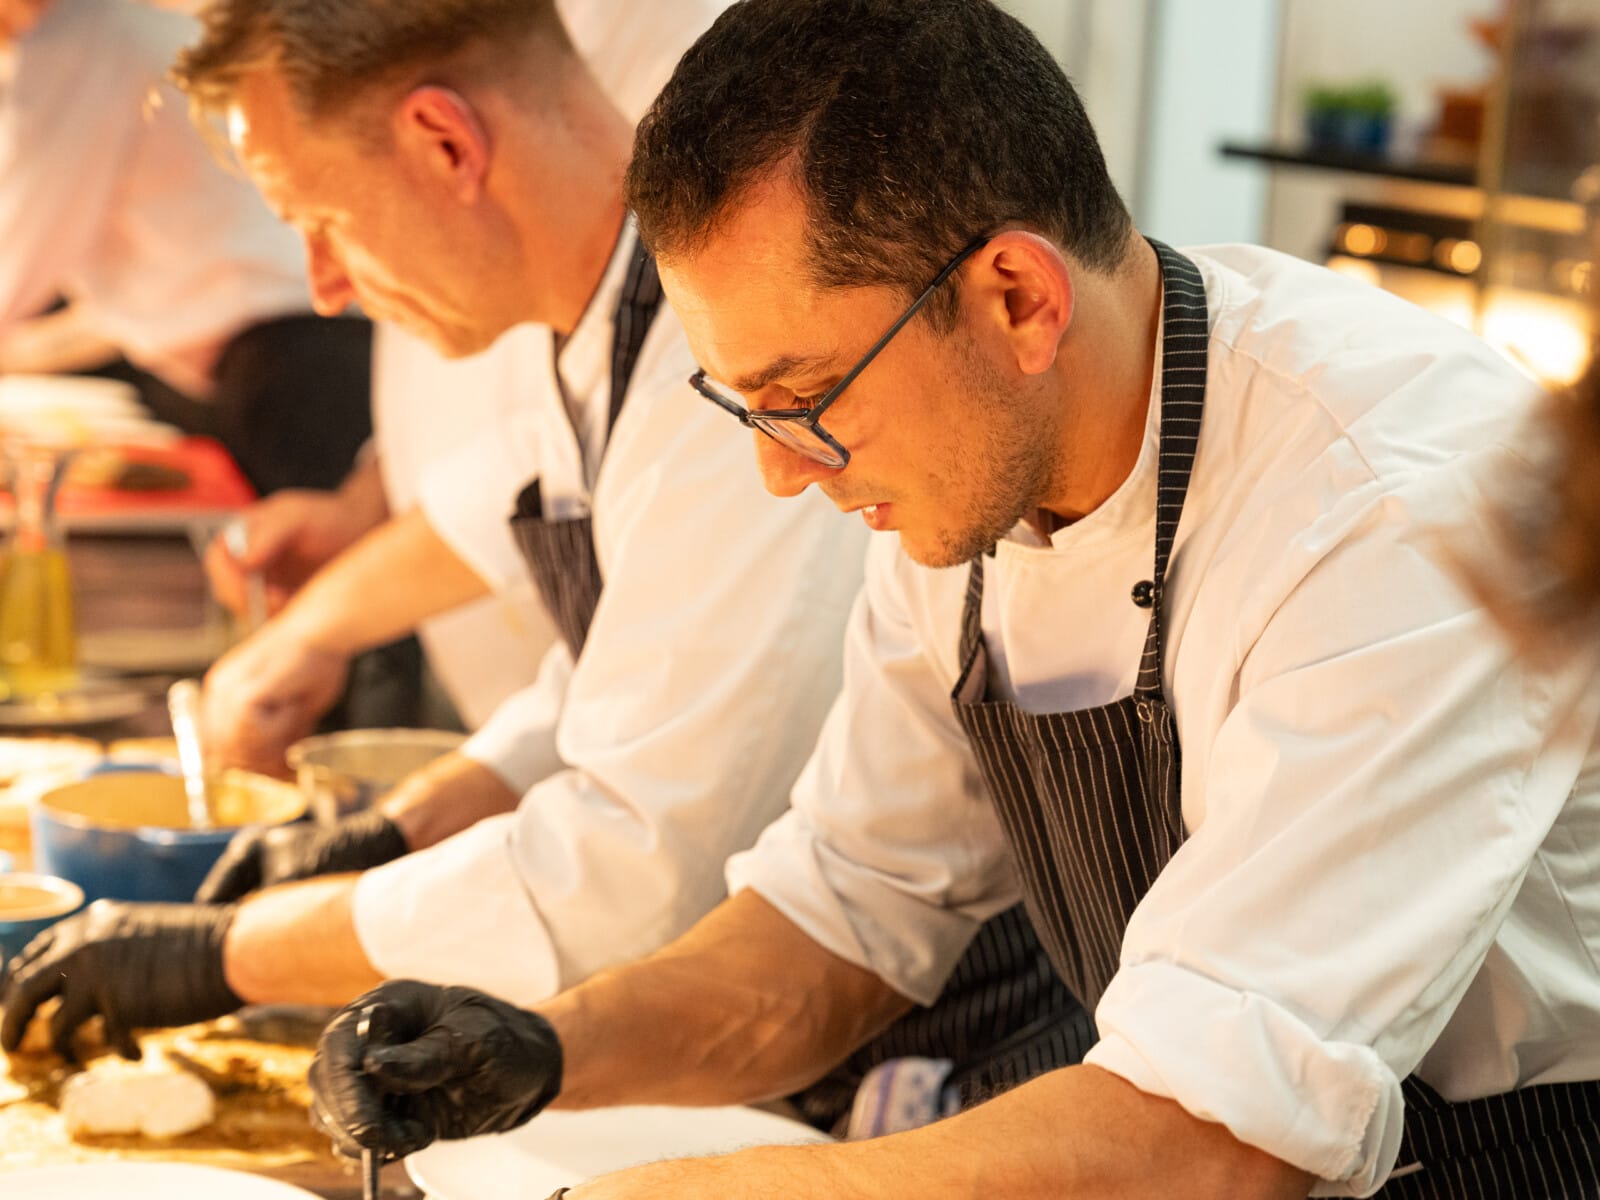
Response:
column 261, row 857
column 435, row 1062
column 137, row 965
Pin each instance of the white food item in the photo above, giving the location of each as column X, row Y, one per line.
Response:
column 155, row 1099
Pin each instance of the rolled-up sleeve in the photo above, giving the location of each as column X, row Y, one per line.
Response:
column 1366, row 814
column 518, row 741
column 891, row 855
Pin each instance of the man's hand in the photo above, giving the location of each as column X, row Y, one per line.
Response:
column 429, row 1063
column 267, row 693
column 136, row 965
column 289, row 536
column 263, row 857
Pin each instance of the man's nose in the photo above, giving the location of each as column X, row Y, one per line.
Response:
column 331, row 292
column 784, row 472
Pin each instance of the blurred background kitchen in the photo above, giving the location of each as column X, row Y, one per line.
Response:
column 1442, row 149
column 1437, row 148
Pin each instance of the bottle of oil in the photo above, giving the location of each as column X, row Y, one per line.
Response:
column 38, row 634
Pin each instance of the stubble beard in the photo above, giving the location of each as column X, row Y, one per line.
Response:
column 1005, row 471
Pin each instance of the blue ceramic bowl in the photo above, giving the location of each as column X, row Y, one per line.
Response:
column 30, row 904
column 121, row 831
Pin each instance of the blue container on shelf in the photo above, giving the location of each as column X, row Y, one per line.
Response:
column 121, row 831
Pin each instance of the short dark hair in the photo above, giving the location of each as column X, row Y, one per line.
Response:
column 911, row 125
column 332, row 51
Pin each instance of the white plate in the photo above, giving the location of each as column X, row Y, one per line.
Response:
column 83, row 395
column 100, row 700
column 144, row 1181
column 562, row 1149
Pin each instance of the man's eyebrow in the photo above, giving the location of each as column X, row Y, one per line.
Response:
column 787, row 364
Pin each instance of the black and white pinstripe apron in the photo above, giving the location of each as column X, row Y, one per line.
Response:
column 560, row 553
column 1003, row 1016
column 1089, row 801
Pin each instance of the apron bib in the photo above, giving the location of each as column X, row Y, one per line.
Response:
column 560, row 553
column 1090, row 804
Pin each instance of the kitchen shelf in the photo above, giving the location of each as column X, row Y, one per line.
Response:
column 1551, row 214
column 1419, row 171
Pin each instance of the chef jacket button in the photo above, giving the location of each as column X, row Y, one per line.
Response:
column 1144, row 593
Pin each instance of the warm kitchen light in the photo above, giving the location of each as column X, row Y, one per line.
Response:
column 1458, row 255
column 1356, row 268
column 1363, row 240
column 1545, row 334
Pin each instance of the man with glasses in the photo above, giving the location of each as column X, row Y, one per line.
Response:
column 1169, row 643
column 699, row 616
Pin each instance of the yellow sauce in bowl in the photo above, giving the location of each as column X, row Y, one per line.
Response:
column 24, row 902
column 154, row 800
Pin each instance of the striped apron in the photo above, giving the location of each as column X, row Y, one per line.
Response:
column 1003, row 1016
column 1089, row 801
column 560, row 553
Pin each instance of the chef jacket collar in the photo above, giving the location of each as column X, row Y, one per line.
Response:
column 584, row 356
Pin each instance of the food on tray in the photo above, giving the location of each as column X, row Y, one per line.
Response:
column 259, row 1091
column 154, row 1097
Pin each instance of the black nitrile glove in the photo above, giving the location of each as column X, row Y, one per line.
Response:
column 434, row 1062
column 260, row 857
column 139, row 966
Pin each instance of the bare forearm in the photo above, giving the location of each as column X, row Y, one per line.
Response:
column 1080, row 1132
column 445, row 797
column 362, row 491
column 297, row 944
column 743, row 1007
column 382, row 587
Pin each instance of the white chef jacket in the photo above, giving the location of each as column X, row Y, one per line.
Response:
column 1392, row 862
column 425, row 407
column 120, row 205
column 632, row 48
column 675, row 736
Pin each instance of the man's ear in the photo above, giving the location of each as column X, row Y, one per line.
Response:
column 1026, row 284
column 436, row 128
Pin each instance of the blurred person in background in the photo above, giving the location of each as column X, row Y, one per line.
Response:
column 111, row 201
column 1543, row 575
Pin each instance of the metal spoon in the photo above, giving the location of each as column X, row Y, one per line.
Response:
column 370, row 1162
column 183, row 705
column 236, row 537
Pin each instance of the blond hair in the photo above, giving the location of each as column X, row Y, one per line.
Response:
column 332, row 52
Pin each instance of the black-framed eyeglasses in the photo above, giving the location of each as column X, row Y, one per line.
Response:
column 797, row 429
